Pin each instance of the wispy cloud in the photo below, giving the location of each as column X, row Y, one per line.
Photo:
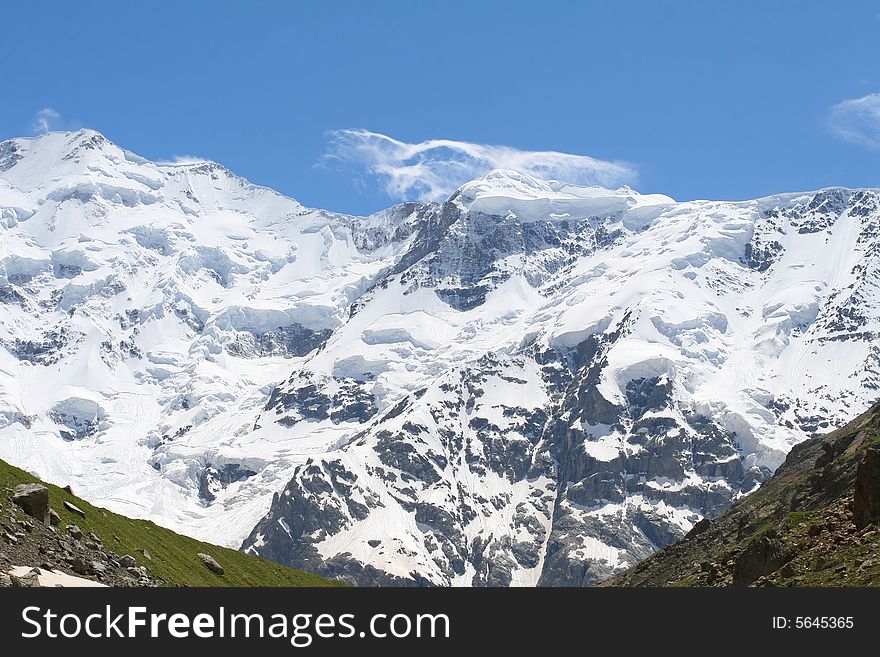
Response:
column 433, row 169
column 45, row 120
column 182, row 159
column 858, row 120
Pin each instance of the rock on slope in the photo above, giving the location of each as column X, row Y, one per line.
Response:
column 814, row 523
column 531, row 382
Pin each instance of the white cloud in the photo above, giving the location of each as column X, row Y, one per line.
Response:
column 182, row 159
column 45, row 120
column 858, row 120
column 433, row 169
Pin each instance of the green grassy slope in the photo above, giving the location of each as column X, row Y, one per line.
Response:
column 174, row 557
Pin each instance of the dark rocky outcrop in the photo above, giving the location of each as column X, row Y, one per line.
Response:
column 866, row 497
column 621, row 475
column 813, row 523
column 33, row 500
column 216, row 478
column 539, row 444
column 761, row 556
column 292, row 340
column 66, row 550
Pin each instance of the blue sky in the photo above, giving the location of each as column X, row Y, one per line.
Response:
column 332, row 102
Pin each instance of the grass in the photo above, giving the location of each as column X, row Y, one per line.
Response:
column 174, row 557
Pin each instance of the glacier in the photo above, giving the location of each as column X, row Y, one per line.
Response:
column 530, row 383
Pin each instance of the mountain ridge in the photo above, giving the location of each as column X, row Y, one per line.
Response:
column 529, row 383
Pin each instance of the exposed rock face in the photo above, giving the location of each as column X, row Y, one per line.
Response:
column 581, row 448
column 213, row 480
column 760, row 557
column 803, row 527
column 33, row 499
column 292, row 340
column 529, row 383
column 866, row 499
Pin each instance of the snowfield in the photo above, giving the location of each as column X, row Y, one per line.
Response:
column 531, row 383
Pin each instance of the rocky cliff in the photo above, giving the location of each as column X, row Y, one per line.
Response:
column 814, row 523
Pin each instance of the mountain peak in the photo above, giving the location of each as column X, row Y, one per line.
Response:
column 590, row 371
column 83, row 164
column 65, row 141
column 503, row 191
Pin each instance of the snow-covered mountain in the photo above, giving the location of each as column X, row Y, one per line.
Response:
column 531, row 383
column 148, row 310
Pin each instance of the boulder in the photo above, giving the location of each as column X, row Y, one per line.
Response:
column 33, row 500
column 701, row 526
column 127, row 561
column 866, row 497
column 763, row 555
column 74, row 509
column 80, row 567
column 54, row 518
column 30, row 579
column 211, row 563
column 74, row 532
